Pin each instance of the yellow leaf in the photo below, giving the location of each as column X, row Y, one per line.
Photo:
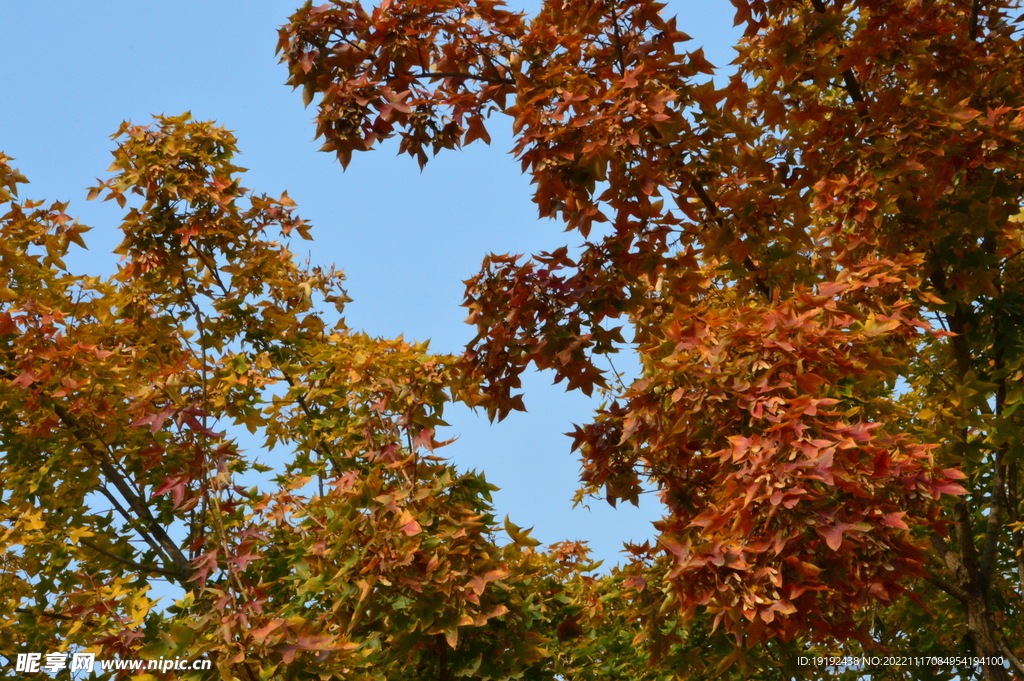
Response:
column 31, row 520
column 78, row 533
column 139, row 608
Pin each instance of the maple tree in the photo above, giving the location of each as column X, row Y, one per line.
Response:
column 362, row 555
column 817, row 263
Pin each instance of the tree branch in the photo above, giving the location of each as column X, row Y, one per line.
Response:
column 468, row 76
column 132, row 564
column 171, row 550
column 965, row 540
column 618, row 44
column 994, row 522
column 1013, row 508
column 248, row 671
column 1014, row 662
column 997, row 497
column 950, row 589
column 972, row 28
column 51, row 615
column 956, row 323
column 211, row 267
column 132, row 522
column 849, row 77
column 952, row 561
column 160, row 540
column 712, row 208
column 320, row 447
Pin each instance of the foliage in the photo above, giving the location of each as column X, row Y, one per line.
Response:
column 818, row 264
column 366, row 556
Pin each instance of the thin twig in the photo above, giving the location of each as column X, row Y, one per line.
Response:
column 51, row 615
column 131, row 563
column 211, row 268
column 615, row 372
column 468, row 76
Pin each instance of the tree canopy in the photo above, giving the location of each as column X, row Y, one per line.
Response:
column 816, row 261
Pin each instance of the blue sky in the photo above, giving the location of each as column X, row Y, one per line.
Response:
column 406, row 240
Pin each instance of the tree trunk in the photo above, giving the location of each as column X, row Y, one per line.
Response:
column 983, row 632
